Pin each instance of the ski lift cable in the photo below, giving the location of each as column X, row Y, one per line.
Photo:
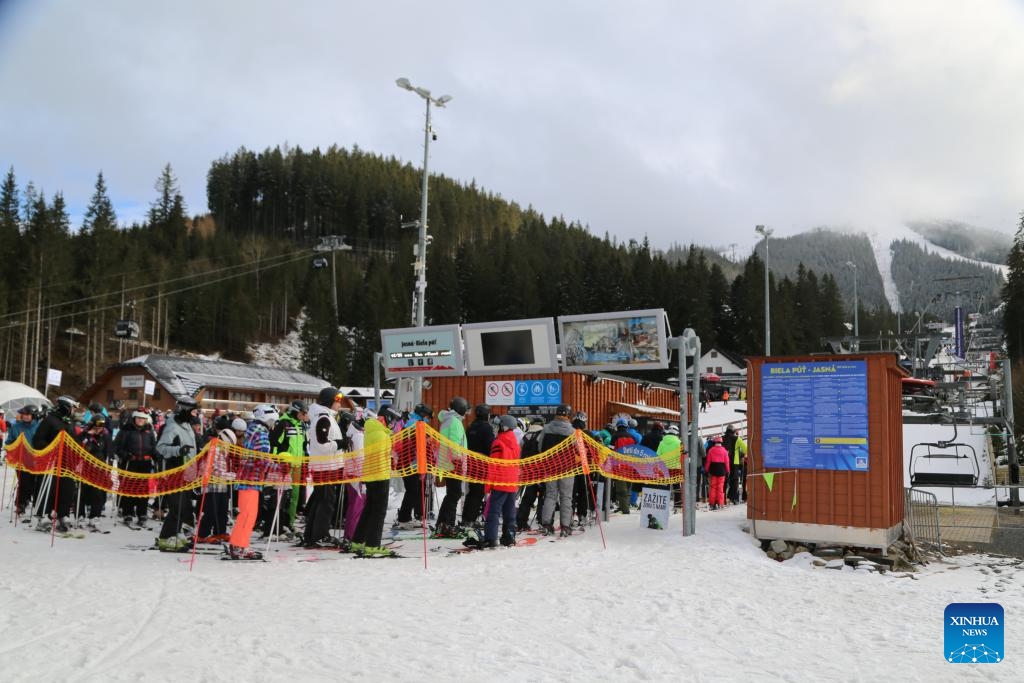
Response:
column 105, row 276
column 263, row 263
column 262, row 266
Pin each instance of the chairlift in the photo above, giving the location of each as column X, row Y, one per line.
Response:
column 943, row 464
column 126, row 329
column 320, row 262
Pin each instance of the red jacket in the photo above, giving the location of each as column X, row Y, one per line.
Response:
column 504, row 478
column 717, row 461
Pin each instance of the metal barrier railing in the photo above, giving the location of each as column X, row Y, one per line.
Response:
column 922, row 516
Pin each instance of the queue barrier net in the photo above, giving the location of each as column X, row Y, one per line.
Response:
column 418, row 449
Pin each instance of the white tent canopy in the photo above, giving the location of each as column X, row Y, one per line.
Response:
column 14, row 395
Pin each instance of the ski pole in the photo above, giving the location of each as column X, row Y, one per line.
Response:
column 78, row 502
column 273, row 523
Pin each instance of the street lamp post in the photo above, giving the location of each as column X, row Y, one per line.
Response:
column 420, row 263
column 766, row 232
column 856, row 326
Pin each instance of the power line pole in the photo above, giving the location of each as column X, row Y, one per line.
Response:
column 333, row 244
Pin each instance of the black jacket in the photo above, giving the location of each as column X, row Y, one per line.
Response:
column 135, row 444
column 51, row 425
column 479, row 437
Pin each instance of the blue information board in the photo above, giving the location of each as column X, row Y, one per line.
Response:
column 815, row 415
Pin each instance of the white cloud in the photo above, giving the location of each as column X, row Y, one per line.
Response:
column 685, row 122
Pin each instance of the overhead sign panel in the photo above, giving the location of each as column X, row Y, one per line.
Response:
column 511, row 347
column 627, row 340
column 422, row 351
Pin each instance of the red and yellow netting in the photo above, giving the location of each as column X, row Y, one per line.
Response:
column 416, row 450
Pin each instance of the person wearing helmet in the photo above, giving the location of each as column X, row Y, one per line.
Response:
column 176, row 445
column 213, row 524
column 56, row 500
column 325, row 442
column 717, row 466
column 366, row 541
column 450, row 458
column 25, row 425
column 622, row 438
column 533, row 493
column 134, row 448
column 412, row 504
column 633, row 431
column 558, row 492
column 479, row 438
column 503, row 480
column 95, row 439
column 252, row 472
column 734, row 444
column 96, row 408
column 289, row 436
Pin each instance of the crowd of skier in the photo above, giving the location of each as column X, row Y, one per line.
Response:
column 349, row 517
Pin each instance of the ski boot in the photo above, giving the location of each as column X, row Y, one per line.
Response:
column 239, row 553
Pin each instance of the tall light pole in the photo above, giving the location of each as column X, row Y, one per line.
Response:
column 766, row 232
column 420, row 263
column 856, row 327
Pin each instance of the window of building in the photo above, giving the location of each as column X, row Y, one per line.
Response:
column 110, row 396
column 714, row 354
column 157, row 393
column 718, row 370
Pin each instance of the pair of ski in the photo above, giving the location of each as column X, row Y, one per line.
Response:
column 521, row 543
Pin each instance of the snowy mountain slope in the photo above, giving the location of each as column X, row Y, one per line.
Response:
column 881, row 243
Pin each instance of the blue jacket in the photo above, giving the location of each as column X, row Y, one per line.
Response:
column 18, row 428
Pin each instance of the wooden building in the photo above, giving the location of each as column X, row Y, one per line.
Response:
column 223, row 384
column 601, row 396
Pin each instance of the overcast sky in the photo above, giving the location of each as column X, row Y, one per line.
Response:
column 684, row 121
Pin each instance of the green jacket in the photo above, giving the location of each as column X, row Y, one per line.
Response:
column 669, row 450
column 289, row 436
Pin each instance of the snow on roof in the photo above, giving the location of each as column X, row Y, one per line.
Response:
column 181, row 375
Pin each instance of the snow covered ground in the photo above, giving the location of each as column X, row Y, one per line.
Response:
column 653, row 606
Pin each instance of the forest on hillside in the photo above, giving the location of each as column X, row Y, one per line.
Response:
column 215, row 282
column 982, row 245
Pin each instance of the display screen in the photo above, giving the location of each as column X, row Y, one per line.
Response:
column 507, row 347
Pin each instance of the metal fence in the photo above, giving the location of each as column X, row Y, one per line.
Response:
column 922, row 516
column 997, row 527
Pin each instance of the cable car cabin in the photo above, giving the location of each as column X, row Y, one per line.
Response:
column 320, row 262
column 126, row 329
column 943, row 464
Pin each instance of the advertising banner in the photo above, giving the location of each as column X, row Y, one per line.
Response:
column 627, row 340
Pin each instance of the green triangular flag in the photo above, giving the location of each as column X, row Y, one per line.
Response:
column 769, row 478
column 793, row 506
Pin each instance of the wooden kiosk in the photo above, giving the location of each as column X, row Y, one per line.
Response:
column 825, row 449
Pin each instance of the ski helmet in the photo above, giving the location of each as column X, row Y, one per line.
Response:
column 265, row 413
column 238, row 425
column 28, row 409
column 672, row 429
column 563, row 409
column 95, row 407
column 506, row 423
column 298, row 406
column 483, row 411
column 579, row 420
column 183, row 407
column 66, row 404
column 140, row 415
column 423, row 410
column 459, row 405
column 97, row 420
